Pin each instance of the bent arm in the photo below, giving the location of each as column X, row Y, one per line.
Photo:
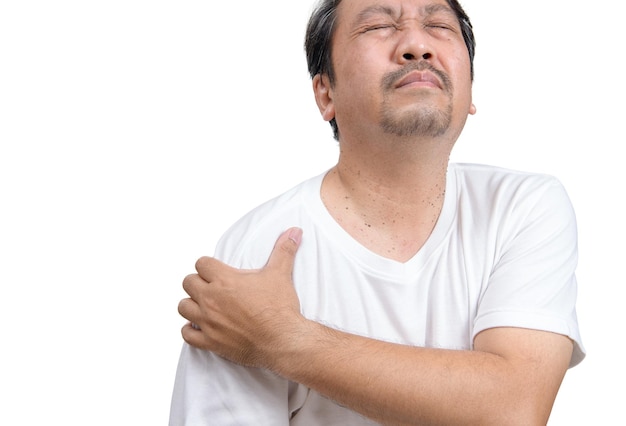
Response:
column 253, row 318
column 511, row 377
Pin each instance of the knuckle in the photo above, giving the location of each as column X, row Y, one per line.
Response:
column 289, row 247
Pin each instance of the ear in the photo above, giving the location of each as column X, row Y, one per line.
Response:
column 324, row 96
column 472, row 109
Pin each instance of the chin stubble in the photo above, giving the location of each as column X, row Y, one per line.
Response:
column 423, row 120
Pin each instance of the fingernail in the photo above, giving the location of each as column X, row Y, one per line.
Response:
column 295, row 235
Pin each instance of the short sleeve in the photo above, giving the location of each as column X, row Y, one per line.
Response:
column 533, row 283
column 210, row 390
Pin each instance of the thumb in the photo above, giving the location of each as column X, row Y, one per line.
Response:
column 284, row 252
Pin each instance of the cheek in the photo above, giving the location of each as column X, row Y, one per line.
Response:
column 355, row 79
column 352, row 70
column 362, row 61
column 460, row 73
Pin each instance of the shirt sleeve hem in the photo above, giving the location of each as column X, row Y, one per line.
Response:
column 534, row 321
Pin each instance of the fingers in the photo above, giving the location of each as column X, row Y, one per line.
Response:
column 189, row 309
column 209, row 267
column 285, row 249
column 192, row 284
column 193, row 336
column 192, row 333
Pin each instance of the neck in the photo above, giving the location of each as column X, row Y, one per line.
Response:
column 388, row 199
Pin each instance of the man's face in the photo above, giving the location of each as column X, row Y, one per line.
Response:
column 400, row 65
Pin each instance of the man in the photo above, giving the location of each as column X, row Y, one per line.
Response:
column 422, row 292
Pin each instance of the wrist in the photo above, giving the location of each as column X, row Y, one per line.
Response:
column 289, row 355
column 295, row 358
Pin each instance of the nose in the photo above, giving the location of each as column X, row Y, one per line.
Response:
column 408, row 56
column 414, row 45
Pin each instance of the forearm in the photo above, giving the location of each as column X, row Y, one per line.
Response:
column 397, row 384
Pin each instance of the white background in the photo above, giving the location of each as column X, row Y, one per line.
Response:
column 133, row 133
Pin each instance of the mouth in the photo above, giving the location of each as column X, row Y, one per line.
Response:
column 419, row 79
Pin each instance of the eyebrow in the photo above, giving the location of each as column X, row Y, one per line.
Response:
column 371, row 11
column 432, row 9
column 378, row 9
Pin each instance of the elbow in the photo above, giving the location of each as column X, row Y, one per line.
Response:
column 518, row 409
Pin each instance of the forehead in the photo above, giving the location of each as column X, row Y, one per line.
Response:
column 351, row 11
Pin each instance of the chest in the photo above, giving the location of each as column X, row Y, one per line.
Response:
column 431, row 304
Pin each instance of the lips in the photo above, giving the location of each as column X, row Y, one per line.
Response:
column 420, row 78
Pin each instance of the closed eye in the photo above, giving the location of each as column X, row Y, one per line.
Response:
column 441, row 26
column 378, row 27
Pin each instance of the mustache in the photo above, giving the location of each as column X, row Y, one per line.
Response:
column 391, row 78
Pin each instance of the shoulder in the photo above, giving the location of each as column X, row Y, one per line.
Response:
column 499, row 187
column 490, row 177
column 254, row 234
column 509, row 201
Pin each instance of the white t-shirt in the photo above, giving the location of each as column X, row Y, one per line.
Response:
column 503, row 253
